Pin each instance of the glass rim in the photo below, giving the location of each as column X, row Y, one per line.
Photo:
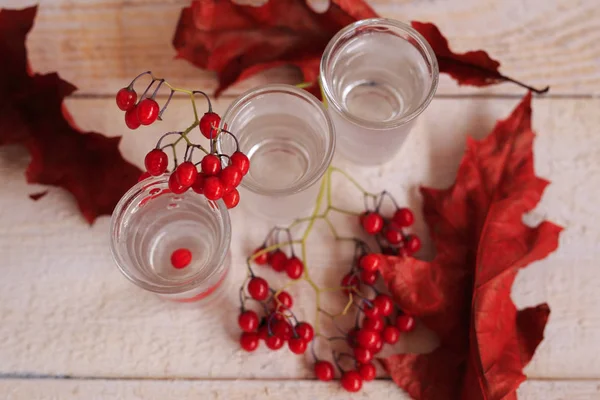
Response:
column 305, row 182
column 193, row 281
column 425, row 48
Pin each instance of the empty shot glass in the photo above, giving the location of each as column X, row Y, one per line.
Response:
column 176, row 246
column 290, row 140
column 377, row 76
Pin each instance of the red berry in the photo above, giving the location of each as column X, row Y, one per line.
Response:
column 371, row 310
column 370, row 262
column 186, row 173
column 126, row 98
column 156, row 162
column 412, row 244
column 231, row 199
column 366, row 338
column 277, row 260
column 403, row 217
column 213, row 188
column 351, row 282
column 258, row 288
column 230, row 176
column 263, row 332
column 181, row 258
column 249, row 341
column 405, row 323
column 390, row 334
column 297, row 345
column 262, row 259
column 378, row 345
column 144, row 175
column 175, row 186
column 385, row 304
column 368, row 277
column 367, row 371
column 248, row 321
column 282, row 328
column 241, row 161
column 305, row 331
column 147, row 111
column 324, row 371
column 274, row 342
column 363, row 355
column 373, row 324
column 393, row 236
column 294, row 268
column 372, row 223
column 211, row 164
column 209, row 123
column 198, row 185
column 285, row 299
column 351, row 381
column 131, row 119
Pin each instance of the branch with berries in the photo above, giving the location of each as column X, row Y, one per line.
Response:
column 212, row 174
column 266, row 313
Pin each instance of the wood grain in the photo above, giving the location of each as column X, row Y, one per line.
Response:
column 66, row 310
column 100, row 45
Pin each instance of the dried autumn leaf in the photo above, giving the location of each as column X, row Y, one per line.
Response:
column 87, row 164
column 464, row 293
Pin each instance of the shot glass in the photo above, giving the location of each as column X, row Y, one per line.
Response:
column 150, row 224
column 377, row 76
column 290, row 140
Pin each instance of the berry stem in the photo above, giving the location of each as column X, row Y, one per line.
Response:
column 206, row 97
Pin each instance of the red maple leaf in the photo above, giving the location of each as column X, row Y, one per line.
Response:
column 238, row 41
column 464, row 293
column 87, row 164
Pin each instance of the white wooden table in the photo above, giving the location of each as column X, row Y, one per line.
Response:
column 71, row 327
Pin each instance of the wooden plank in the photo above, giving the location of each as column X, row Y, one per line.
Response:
column 32, row 389
column 65, row 309
column 100, row 45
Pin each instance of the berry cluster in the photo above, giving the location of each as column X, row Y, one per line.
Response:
column 215, row 175
column 378, row 321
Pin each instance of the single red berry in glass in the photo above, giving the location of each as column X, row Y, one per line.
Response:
column 274, row 342
column 230, row 176
column 412, row 244
column 211, row 164
column 368, row 277
column 366, row 338
column 277, row 260
column 126, row 99
column 181, row 258
column 213, row 188
column 372, row 223
column 285, row 299
column 131, row 119
column 261, row 259
column 305, row 331
column 232, row 199
column 367, row 372
column 385, row 304
column 363, row 355
column 324, row 371
column 281, row 328
column 241, row 161
column 371, row 310
column 393, row 236
column 147, row 111
column 294, row 268
column 405, row 323
column 175, row 186
column 403, row 217
column 351, row 282
column 156, row 162
column 198, row 185
column 373, row 324
column 378, row 345
column 258, row 288
column 249, row 341
column 369, row 262
column 351, row 381
column 209, row 123
column 248, row 321
column 186, row 173
column 390, row 334
column 144, row 175
column 297, row 345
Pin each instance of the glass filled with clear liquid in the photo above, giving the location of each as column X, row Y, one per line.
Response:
column 377, row 76
column 176, row 246
column 289, row 138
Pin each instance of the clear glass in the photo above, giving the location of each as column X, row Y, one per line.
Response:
column 377, row 75
column 149, row 223
column 289, row 138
